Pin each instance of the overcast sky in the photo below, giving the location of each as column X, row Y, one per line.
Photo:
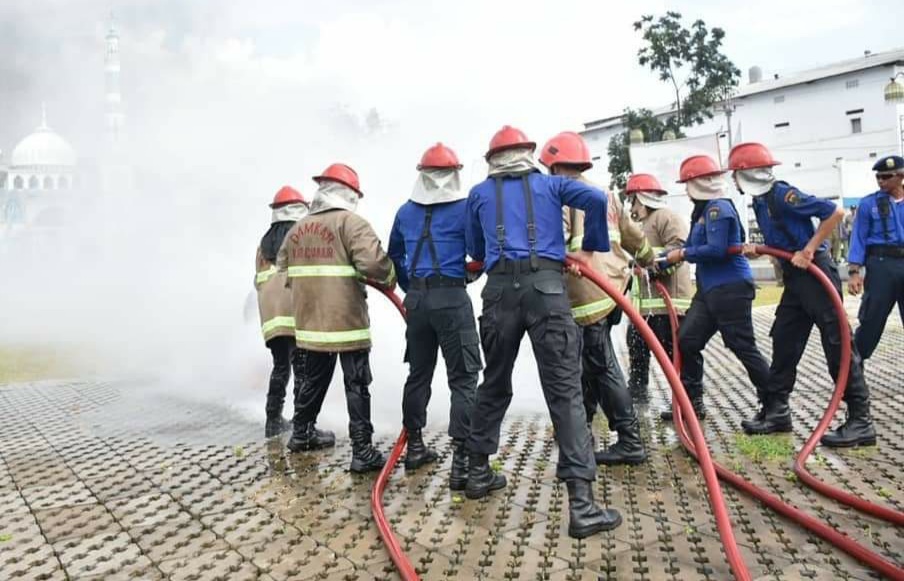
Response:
column 232, row 77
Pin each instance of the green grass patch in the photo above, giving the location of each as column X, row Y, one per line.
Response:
column 19, row 363
column 768, row 448
column 767, row 294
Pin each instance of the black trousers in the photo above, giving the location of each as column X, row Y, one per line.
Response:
column 602, row 379
column 882, row 288
column 441, row 318
column 726, row 309
column 285, row 359
column 804, row 303
column 536, row 303
column 319, row 368
column 639, row 352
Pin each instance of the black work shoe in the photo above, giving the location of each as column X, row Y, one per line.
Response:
column 699, row 410
column 418, row 453
column 857, row 431
column 627, row 450
column 481, row 478
column 366, row 458
column 276, row 425
column 310, row 438
column 776, row 419
column 585, row 518
column 759, row 417
column 458, row 476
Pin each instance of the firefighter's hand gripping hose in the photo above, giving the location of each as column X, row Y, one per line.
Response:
column 403, row 565
column 819, row 528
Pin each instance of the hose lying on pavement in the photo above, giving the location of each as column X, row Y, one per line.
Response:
column 812, row 524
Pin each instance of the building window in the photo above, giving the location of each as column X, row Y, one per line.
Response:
column 779, row 99
column 853, row 84
column 782, row 125
column 33, row 183
column 18, row 183
column 856, row 126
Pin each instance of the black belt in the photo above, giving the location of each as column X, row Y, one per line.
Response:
column 436, row 282
column 886, row 251
column 523, row 266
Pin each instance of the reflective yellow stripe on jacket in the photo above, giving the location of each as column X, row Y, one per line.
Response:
column 593, row 308
column 323, row 270
column 276, row 323
column 264, row 275
column 332, row 336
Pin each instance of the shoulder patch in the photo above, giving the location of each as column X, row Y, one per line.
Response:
column 713, row 213
column 792, row 198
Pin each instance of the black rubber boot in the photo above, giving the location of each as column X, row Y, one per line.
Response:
column 458, row 476
column 275, row 424
column 310, row 438
column 760, row 414
column 699, row 409
column 481, row 478
column 858, row 430
column 776, row 418
column 585, row 518
column 365, row 458
column 418, row 453
column 627, row 450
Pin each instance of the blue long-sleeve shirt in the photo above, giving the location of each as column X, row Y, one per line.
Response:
column 795, row 211
column 868, row 231
column 550, row 193
column 708, row 243
column 447, row 228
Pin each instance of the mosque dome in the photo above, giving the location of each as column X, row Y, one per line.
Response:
column 43, row 148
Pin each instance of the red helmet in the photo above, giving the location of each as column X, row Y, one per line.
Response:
column 567, row 148
column 287, row 195
column 698, row 166
column 509, row 138
column 644, row 182
column 749, row 156
column 439, row 157
column 343, row 174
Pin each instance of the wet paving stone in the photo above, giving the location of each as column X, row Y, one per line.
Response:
column 191, row 491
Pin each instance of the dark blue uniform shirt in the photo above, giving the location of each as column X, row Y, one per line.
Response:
column 708, row 243
column 868, row 230
column 447, row 228
column 794, row 212
column 550, row 193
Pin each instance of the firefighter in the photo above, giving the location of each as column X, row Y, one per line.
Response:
column 877, row 243
column 515, row 228
column 725, row 288
column 784, row 215
column 274, row 303
column 427, row 247
column 327, row 254
column 665, row 230
column 602, row 380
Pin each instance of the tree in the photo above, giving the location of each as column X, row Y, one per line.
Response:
column 690, row 59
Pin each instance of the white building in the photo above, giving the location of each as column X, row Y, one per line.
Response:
column 827, row 125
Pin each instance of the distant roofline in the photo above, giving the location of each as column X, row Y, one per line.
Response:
column 894, row 57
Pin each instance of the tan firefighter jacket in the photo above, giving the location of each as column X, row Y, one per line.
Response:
column 327, row 256
column 665, row 230
column 274, row 300
column 589, row 303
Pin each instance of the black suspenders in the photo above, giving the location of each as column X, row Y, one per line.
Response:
column 425, row 235
column 531, row 222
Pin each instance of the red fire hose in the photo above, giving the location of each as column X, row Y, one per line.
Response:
column 403, row 565
column 817, row 527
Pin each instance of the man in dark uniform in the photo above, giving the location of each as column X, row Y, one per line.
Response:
column 515, row 228
column 877, row 242
column 785, row 215
column 427, row 246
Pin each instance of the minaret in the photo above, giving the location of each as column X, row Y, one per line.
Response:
column 114, row 116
